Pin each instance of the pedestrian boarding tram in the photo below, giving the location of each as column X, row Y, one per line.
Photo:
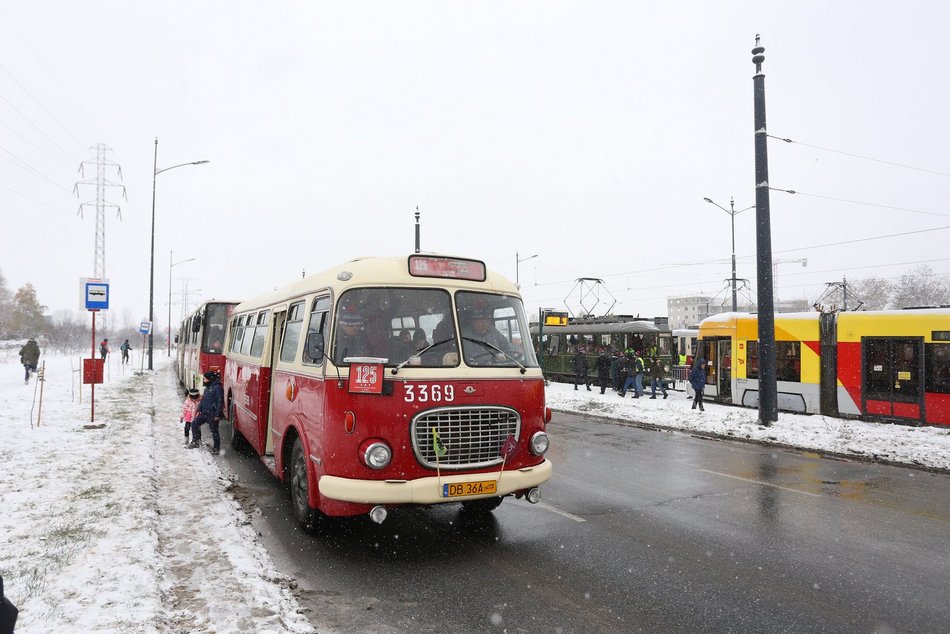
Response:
column 881, row 365
column 200, row 339
column 389, row 381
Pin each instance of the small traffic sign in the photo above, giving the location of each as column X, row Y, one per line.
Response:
column 145, row 328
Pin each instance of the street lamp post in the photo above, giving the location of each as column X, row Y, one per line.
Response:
column 170, row 266
column 732, row 213
column 151, row 271
column 518, row 262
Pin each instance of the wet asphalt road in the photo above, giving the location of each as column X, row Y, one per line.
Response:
column 638, row 530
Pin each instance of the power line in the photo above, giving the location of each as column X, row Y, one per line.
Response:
column 21, row 163
column 866, row 158
column 36, row 101
column 36, row 127
column 858, row 202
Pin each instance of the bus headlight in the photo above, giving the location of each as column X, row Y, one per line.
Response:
column 539, row 443
column 377, row 455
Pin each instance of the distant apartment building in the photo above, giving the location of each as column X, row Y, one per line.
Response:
column 690, row 310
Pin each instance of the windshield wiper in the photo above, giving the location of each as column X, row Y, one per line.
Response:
column 498, row 350
column 419, row 353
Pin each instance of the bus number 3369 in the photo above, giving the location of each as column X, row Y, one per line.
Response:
column 434, row 393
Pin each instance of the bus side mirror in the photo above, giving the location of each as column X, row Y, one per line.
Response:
column 315, row 346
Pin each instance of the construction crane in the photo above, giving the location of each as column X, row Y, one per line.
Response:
column 775, row 263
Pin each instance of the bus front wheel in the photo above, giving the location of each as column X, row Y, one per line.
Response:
column 300, row 487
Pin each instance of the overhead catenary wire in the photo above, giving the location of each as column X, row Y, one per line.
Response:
column 860, row 156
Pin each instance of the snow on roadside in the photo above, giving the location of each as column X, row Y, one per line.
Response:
column 122, row 529
column 927, row 447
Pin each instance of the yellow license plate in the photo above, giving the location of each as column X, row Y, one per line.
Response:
column 462, row 489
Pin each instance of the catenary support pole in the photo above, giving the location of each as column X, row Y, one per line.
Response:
column 768, row 389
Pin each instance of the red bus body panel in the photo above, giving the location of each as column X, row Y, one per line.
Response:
column 302, row 402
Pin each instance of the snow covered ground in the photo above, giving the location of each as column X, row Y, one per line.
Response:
column 927, row 447
column 121, row 529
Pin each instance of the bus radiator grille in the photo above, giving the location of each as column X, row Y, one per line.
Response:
column 472, row 436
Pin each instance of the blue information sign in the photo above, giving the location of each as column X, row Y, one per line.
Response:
column 97, row 295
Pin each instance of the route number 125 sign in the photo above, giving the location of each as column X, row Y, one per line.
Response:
column 366, row 378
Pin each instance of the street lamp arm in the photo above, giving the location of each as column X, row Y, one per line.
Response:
column 165, row 169
column 182, row 262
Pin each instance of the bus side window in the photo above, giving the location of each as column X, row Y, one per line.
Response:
column 317, row 328
column 288, row 347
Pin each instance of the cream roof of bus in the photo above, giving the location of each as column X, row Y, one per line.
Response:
column 375, row 271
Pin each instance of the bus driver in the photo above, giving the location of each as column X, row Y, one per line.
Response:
column 349, row 339
column 480, row 328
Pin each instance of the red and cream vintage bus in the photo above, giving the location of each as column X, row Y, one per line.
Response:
column 885, row 365
column 200, row 340
column 390, row 381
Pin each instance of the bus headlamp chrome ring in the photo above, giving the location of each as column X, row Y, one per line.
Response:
column 539, row 443
column 377, row 455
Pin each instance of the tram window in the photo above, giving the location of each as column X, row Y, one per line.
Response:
column 752, row 360
column 318, row 324
column 288, row 347
column 260, row 334
column 938, row 368
column 788, row 360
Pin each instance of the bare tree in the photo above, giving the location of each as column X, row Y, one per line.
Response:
column 920, row 287
column 69, row 333
column 874, row 292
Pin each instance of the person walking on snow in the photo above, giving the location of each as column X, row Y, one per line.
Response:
column 603, row 371
column 697, row 379
column 104, row 348
column 189, row 409
column 581, row 369
column 656, row 370
column 125, row 347
column 29, row 357
column 209, row 411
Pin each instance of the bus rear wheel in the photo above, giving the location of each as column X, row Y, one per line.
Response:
column 300, row 487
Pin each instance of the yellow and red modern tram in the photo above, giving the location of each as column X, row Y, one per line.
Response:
column 887, row 365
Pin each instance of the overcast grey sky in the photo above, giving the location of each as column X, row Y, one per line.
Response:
column 585, row 132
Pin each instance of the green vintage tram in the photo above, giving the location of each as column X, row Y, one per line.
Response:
column 557, row 345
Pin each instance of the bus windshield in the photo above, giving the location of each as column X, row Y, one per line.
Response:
column 215, row 320
column 397, row 324
column 494, row 330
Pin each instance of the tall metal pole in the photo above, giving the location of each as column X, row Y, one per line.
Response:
column 732, row 206
column 151, row 274
column 168, row 343
column 417, row 230
column 768, row 389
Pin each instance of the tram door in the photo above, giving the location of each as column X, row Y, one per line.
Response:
column 718, row 354
column 893, row 376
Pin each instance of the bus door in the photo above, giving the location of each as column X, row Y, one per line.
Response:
column 892, row 369
column 277, row 338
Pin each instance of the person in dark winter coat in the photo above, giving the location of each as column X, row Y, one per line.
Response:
column 603, row 371
column 657, row 372
column 209, row 411
column 30, row 357
column 581, row 369
column 623, row 363
column 104, row 349
column 697, row 379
